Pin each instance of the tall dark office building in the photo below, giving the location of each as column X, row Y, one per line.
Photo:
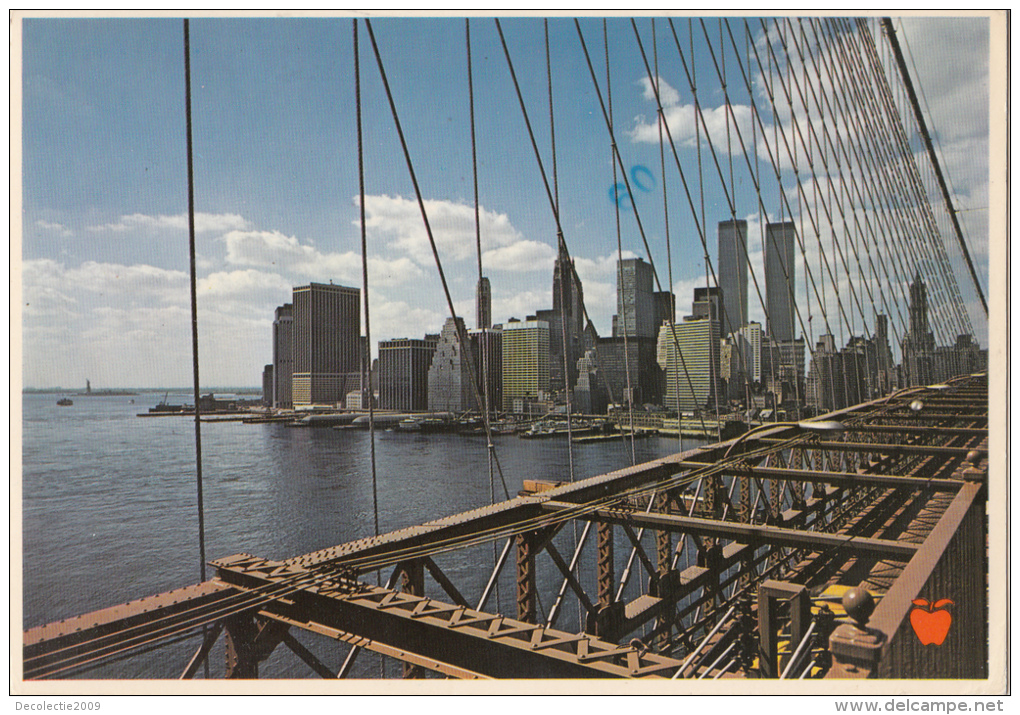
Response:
column 635, row 302
column 404, row 373
column 483, row 304
column 780, row 280
column 327, row 343
column 487, row 351
column 732, row 273
column 283, row 357
column 566, row 316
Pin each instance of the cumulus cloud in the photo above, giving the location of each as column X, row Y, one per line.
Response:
column 668, row 96
column 287, row 254
column 398, row 222
column 520, row 256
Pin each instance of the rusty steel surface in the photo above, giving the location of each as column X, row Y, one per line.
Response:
column 893, row 502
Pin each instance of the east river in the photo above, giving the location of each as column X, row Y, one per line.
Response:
column 109, row 509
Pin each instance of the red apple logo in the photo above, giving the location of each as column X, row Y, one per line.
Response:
column 930, row 623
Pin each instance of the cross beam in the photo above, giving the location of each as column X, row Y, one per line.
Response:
column 747, row 533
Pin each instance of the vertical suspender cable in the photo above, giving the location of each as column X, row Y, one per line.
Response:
column 566, row 265
column 669, row 253
column 619, row 253
column 194, row 298
column 364, row 281
column 364, row 275
column 478, row 246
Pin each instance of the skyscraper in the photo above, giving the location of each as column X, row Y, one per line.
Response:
column 449, row 377
column 327, row 344
column 525, row 362
column 483, row 304
column 780, row 279
column 692, row 384
column 919, row 343
column 404, row 373
column 283, row 357
column 732, row 272
column 635, row 304
column 567, row 316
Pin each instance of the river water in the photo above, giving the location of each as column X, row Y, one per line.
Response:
column 109, row 506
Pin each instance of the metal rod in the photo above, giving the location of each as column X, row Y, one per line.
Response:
column 724, row 669
column 800, row 649
column 495, row 574
column 573, row 565
column 683, row 666
column 807, row 671
column 716, row 661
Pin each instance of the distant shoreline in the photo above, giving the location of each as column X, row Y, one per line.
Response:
column 123, row 392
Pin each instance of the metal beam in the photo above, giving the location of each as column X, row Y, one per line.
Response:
column 842, row 479
column 747, row 533
column 416, row 629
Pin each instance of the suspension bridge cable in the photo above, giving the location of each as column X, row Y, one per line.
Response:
column 851, row 162
column 485, row 336
column 622, row 307
column 920, row 204
column 897, row 143
column 905, row 75
column 669, row 254
column 466, row 352
column 630, row 193
column 194, row 299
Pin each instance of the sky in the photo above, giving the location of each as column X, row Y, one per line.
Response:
column 104, row 241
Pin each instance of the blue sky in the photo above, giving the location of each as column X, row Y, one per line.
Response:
column 104, row 241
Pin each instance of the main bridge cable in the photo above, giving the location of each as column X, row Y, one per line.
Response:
column 905, row 75
column 865, row 100
column 637, row 217
column 458, row 324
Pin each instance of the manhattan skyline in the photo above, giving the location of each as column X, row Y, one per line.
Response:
column 104, row 227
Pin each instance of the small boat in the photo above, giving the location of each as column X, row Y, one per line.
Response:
column 65, row 402
column 409, row 425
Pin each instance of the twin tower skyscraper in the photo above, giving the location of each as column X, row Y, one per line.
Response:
column 780, row 277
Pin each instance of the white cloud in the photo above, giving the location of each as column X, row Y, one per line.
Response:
column 398, row 221
column 57, row 228
column 668, row 96
column 204, row 223
column 288, row 255
column 520, row 256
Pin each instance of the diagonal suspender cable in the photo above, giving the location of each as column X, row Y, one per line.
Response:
column 194, row 299
column 461, row 333
column 626, row 182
